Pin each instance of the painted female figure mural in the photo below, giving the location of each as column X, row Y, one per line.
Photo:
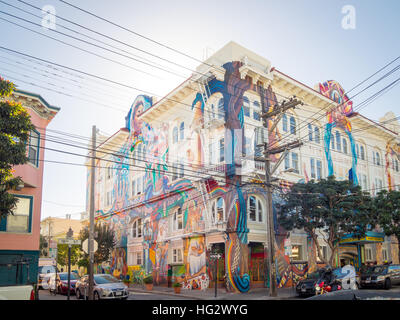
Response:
column 338, row 118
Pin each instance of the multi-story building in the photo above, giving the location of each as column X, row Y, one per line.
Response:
column 19, row 233
column 179, row 181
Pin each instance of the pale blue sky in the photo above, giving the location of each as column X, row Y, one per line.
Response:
column 303, row 39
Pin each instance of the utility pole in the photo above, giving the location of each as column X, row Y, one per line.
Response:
column 91, row 216
column 277, row 112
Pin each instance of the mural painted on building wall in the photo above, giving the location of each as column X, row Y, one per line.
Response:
column 161, row 196
column 338, row 117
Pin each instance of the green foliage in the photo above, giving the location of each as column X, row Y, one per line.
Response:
column 104, row 237
column 148, row 280
column 43, row 246
column 387, row 206
column 334, row 207
column 62, row 254
column 15, row 125
column 177, row 285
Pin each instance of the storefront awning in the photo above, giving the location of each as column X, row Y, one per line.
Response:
column 370, row 237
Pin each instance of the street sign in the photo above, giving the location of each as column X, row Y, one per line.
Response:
column 53, row 253
column 53, row 244
column 69, row 241
column 85, row 244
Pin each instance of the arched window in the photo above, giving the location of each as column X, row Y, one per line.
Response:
column 316, row 135
column 255, row 209
column 221, row 109
column 292, row 125
column 338, row 142
column 344, row 146
column 310, row 132
column 218, row 210
column 182, row 131
column 175, row 135
column 284, row 123
column 358, row 151
column 246, row 107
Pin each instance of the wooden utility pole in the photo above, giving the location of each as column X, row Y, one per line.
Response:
column 91, row 214
column 277, row 112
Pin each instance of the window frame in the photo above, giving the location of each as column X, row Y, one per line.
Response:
column 4, row 221
column 36, row 161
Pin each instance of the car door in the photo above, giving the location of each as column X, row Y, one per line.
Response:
column 396, row 273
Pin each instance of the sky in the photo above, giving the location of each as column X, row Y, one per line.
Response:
column 304, row 39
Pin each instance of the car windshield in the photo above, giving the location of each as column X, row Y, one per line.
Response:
column 366, row 269
column 47, row 269
column 104, row 278
column 64, row 276
column 379, row 269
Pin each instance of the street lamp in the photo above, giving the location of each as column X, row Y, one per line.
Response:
column 215, row 256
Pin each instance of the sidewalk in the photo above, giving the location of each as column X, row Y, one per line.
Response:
column 209, row 294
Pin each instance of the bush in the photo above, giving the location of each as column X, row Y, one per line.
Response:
column 176, row 285
column 148, row 280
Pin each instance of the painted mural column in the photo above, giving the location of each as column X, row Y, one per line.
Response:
column 394, row 247
column 379, row 253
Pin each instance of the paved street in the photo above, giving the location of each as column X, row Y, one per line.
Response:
column 45, row 295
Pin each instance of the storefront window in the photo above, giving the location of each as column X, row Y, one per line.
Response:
column 297, row 253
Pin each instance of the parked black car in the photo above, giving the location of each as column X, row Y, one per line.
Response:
column 306, row 287
column 382, row 276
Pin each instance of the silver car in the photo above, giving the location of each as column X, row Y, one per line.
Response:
column 105, row 287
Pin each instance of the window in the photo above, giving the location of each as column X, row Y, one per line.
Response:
column 364, row 179
column 396, row 165
column 109, row 198
column 292, row 125
column 33, row 149
column 182, row 131
column 20, row 221
column 175, row 135
column 221, row 150
column 211, row 153
column 344, row 146
column 378, row 159
column 181, row 172
column 218, row 210
column 316, row 135
column 312, row 164
column 177, row 255
column 138, row 258
column 221, row 109
column 338, row 142
column 384, row 254
column 295, row 162
column 332, row 142
column 310, row 132
column 287, row 161
column 256, row 111
column 177, row 222
column 319, row 169
column 137, row 228
column 368, row 254
column 297, row 252
column 174, row 170
column 254, row 209
column 357, row 151
column 261, row 136
column 246, row 107
column 373, row 157
column 109, row 172
column 284, row 123
column 324, row 253
column 133, row 187
column 362, row 153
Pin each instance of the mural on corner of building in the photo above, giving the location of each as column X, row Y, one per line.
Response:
column 150, row 143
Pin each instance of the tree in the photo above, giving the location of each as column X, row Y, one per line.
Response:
column 334, row 207
column 104, row 237
column 15, row 126
column 43, row 244
column 387, row 206
column 62, row 254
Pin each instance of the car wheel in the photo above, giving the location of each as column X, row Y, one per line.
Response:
column 388, row 284
column 96, row 296
column 78, row 294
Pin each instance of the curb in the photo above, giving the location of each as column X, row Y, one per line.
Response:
column 201, row 298
column 167, row 293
